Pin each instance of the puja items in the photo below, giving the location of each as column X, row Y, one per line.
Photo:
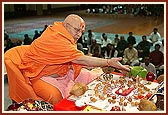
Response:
column 160, row 96
column 107, row 72
column 31, row 105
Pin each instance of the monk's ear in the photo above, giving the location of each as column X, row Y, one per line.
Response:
column 66, row 25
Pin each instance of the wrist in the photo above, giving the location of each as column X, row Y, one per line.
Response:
column 108, row 62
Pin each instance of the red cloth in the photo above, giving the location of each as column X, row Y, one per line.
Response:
column 157, row 58
column 67, row 105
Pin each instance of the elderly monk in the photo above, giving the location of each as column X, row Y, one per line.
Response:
column 53, row 64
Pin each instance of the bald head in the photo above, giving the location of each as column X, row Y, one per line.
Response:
column 74, row 19
column 75, row 25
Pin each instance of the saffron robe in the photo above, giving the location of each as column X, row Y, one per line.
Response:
column 51, row 53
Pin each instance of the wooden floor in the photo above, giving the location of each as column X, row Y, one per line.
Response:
column 136, row 25
column 108, row 23
column 123, row 24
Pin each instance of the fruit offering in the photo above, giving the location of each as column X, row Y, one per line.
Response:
column 150, row 76
column 146, row 105
column 78, row 89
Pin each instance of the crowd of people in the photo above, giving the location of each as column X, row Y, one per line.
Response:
column 134, row 53
column 133, row 9
column 27, row 40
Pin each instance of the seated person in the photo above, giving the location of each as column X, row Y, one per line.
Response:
column 143, row 47
column 157, row 57
column 80, row 47
column 148, row 66
column 121, row 46
column 130, row 56
column 162, row 46
column 116, row 39
column 131, row 39
column 89, row 40
column 9, row 44
column 53, row 64
column 110, row 51
column 105, row 40
column 36, row 34
column 27, row 40
column 94, row 46
column 96, row 53
column 155, row 36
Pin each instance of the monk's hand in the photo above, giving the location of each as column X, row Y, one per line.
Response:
column 115, row 62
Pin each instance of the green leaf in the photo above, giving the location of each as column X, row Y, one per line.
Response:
column 134, row 72
column 138, row 70
column 143, row 73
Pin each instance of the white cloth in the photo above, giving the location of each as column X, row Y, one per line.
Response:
column 104, row 43
column 154, row 37
column 109, row 57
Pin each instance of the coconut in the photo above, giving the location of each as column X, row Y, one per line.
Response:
column 78, row 89
column 146, row 105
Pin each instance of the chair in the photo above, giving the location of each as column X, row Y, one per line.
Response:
column 18, row 88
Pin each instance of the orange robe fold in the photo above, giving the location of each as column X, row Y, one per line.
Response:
column 51, row 53
column 18, row 89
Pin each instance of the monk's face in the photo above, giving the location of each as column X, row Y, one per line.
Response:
column 76, row 30
column 75, row 25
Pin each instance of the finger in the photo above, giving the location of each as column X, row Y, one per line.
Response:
column 126, row 68
column 119, row 58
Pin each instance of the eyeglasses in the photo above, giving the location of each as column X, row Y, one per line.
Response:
column 76, row 29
